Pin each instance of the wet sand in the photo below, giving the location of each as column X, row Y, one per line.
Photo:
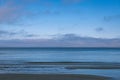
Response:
column 51, row 77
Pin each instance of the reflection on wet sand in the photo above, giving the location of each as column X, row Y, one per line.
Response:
column 51, row 77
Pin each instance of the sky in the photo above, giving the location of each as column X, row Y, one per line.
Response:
column 61, row 23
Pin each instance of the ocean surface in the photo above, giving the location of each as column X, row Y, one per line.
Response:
column 93, row 61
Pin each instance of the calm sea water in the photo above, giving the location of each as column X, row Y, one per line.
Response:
column 9, row 57
column 61, row 54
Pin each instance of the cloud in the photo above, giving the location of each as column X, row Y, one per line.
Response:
column 65, row 40
column 99, row 29
column 9, row 13
column 14, row 11
column 4, row 33
column 112, row 17
column 12, row 34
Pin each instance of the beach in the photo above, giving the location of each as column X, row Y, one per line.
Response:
column 50, row 77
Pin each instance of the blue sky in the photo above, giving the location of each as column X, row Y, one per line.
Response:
column 48, row 19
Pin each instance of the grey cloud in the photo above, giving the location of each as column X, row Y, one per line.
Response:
column 99, row 29
column 30, row 35
column 12, row 13
column 5, row 33
column 9, row 13
column 65, row 40
column 112, row 17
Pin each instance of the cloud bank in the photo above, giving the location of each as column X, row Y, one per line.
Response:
column 66, row 40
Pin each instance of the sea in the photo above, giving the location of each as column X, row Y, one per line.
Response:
column 61, row 60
